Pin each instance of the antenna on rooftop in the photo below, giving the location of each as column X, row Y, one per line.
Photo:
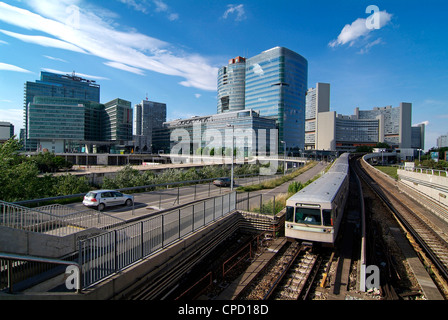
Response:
column 146, row 96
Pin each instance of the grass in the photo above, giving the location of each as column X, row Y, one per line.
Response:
column 391, row 171
column 271, row 184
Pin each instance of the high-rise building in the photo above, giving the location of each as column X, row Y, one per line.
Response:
column 57, row 85
column 397, row 123
column 117, row 124
column 276, row 85
column 6, row 131
column 317, row 101
column 442, row 141
column 63, row 113
column 391, row 125
column 67, row 124
column 418, row 136
column 252, row 134
column 231, row 86
column 149, row 116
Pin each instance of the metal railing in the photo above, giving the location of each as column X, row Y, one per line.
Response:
column 434, row 172
column 17, row 271
column 104, row 255
column 57, row 220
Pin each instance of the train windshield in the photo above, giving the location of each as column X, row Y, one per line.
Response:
column 308, row 216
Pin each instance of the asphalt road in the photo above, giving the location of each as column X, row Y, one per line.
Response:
column 152, row 202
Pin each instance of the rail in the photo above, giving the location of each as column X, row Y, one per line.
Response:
column 434, row 172
column 57, row 220
column 425, row 245
column 16, row 268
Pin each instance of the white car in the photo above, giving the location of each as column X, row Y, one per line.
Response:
column 106, row 198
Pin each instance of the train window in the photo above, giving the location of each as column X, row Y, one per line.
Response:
column 308, row 216
column 290, row 214
column 328, row 220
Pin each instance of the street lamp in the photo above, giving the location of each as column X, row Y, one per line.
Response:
column 233, row 148
column 284, row 157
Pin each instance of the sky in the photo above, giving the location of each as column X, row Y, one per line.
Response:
column 170, row 51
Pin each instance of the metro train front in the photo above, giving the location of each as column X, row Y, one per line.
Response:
column 315, row 213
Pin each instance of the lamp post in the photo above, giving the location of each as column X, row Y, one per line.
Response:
column 284, row 157
column 233, row 148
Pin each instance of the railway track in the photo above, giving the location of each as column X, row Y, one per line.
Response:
column 289, row 277
column 419, row 229
column 297, row 281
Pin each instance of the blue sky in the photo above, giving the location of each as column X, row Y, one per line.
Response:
column 170, row 50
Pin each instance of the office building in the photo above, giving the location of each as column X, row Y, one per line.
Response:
column 75, row 125
column 57, row 85
column 397, row 123
column 442, row 141
column 117, row 124
column 149, row 116
column 317, row 102
column 252, row 134
column 418, row 136
column 276, row 85
column 6, row 131
column 231, row 86
column 367, row 128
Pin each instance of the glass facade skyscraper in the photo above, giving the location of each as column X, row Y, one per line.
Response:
column 57, row 85
column 276, row 85
column 149, row 116
column 63, row 113
column 231, row 86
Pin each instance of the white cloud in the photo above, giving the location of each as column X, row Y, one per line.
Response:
column 88, row 76
column 10, row 67
column 197, row 95
column 235, row 9
column 44, row 41
column 124, row 67
column 55, row 59
column 358, row 29
column 164, row 8
column 426, row 123
column 14, row 116
column 137, row 6
column 98, row 36
column 369, row 45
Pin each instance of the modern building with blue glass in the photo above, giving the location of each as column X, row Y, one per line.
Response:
column 63, row 114
column 231, row 86
column 276, row 86
column 57, row 86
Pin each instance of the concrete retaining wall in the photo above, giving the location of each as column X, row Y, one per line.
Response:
column 23, row 242
column 435, row 187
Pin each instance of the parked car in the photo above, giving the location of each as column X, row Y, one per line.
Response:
column 106, row 198
column 223, row 182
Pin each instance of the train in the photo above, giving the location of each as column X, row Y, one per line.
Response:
column 314, row 214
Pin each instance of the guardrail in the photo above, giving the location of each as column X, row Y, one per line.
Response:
column 434, row 172
column 56, row 220
column 106, row 254
column 17, row 269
